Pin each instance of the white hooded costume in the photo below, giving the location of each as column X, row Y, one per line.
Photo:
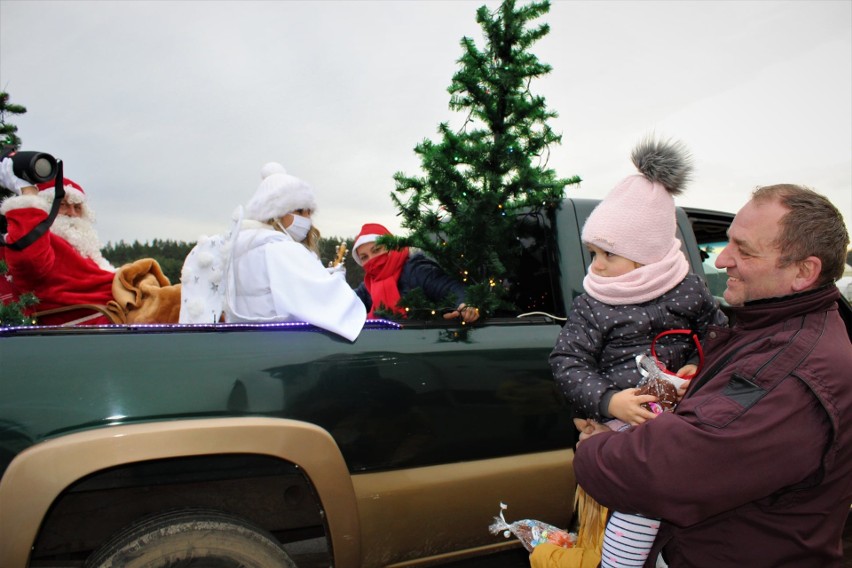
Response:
column 260, row 274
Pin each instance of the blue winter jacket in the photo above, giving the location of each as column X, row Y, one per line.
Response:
column 422, row 272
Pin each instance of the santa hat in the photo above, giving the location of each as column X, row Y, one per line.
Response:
column 369, row 233
column 44, row 199
column 73, row 194
column 73, row 191
column 636, row 220
column 278, row 194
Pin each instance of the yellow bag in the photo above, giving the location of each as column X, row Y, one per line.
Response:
column 586, row 552
column 548, row 555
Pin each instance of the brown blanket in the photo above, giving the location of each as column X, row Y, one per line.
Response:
column 143, row 294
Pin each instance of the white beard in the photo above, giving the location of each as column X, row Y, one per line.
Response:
column 81, row 234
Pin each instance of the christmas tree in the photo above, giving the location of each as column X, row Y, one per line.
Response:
column 8, row 131
column 478, row 180
column 9, row 139
column 13, row 311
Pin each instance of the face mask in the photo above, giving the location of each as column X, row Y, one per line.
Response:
column 299, row 228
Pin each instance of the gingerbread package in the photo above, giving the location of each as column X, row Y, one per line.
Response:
column 531, row 533
column 659, row 383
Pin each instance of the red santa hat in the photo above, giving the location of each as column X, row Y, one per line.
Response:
column 278, row 194
column 73, row 191
column 44, row 198
column 369, row 233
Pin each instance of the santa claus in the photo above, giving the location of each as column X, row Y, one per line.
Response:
column 64, row 266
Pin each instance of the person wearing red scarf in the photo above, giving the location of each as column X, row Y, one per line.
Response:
column 389, row 275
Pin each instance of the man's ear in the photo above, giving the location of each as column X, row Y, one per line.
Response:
column 807, row 274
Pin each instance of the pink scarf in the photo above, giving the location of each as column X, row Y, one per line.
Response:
column 642, row 284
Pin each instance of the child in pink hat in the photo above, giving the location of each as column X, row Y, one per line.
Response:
column 637, row 286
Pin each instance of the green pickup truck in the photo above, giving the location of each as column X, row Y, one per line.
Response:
column 119, row 444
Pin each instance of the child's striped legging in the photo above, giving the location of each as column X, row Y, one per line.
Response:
column 628, row 540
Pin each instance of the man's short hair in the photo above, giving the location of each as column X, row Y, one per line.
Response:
column 813, row 226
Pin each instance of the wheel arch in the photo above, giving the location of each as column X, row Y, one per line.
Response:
column 38, row 476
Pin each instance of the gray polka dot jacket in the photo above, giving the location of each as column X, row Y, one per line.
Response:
column 595, row 353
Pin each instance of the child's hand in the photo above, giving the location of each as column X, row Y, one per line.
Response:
column 626, row 405
column 687, row 371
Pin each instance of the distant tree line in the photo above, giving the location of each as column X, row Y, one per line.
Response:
column 170, row 255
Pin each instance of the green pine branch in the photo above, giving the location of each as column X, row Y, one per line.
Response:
column 8, row 131
column 16, row 313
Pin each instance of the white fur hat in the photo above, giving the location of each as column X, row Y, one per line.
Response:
column 278, row 194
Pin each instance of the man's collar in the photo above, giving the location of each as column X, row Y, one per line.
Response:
column 776, row 299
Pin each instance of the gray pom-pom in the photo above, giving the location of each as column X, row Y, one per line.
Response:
column 667, row 162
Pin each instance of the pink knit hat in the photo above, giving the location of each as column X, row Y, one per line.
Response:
column 636, row 220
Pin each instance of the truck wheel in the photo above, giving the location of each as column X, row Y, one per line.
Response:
column 191, row 538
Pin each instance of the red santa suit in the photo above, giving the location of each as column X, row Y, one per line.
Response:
column 57, row 272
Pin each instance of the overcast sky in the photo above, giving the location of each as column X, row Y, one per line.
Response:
column 165, row 111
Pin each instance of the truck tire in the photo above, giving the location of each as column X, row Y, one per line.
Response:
column 191, row 538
